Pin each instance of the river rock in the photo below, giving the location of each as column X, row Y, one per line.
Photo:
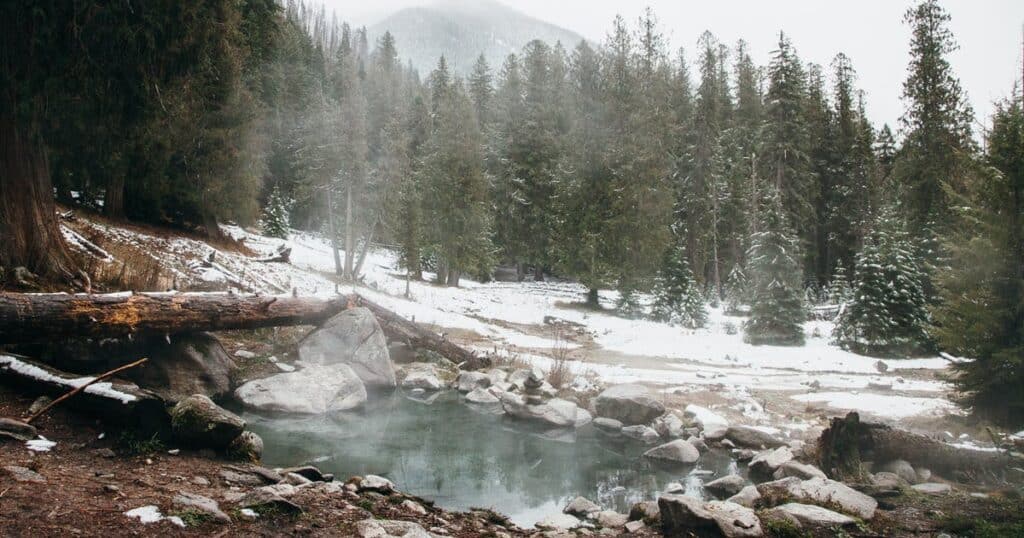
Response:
column 558, row 522
column 580, row 507
column 752, row 437
column 642, row 433
column 354, row 338
column 187, row 364
column 727, row 486
column 609, row 425
column 468, row 381
column 583, row 417
column 200, row 422
column 682, row 514
column 900, row 468
column 401, row 353
column 932, row 488
column 205, row 505
column 555, row 412
column 372, row 482
column 629, row 404
column 821, row 492
column 387, row 528
column 610, row 519
column 712, row 424
column 678, row 451
column 261, row 499
column 810, row 516
column 24, row 474
column 16, row 429
column 422, row 379
column 802, row 471
column 312, row 390
column 766, row 462
column 669, row 426
column 746, row 497
column 646, row 511
column 247, row 446
column 482, row 396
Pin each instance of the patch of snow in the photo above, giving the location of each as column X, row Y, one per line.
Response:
column 887, row 406
column 151, row 514
column 40, row 445
column 104, row 388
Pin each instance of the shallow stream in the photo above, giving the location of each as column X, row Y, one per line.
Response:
column 462, row 456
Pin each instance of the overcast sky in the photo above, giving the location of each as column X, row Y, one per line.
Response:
column 871, row 32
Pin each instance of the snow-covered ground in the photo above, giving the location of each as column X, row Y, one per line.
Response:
column 520, row 318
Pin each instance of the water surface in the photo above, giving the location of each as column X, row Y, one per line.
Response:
column 462, row 456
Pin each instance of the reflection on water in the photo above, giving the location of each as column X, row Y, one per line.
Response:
column 463, row 457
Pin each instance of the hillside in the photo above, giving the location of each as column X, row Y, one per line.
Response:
column 461, row 30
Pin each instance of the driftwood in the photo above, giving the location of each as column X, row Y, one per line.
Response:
column 124, row 403
column 282, row 255
column 30, row 318
column 848, row 442
column 37, row 318
column 82, row 387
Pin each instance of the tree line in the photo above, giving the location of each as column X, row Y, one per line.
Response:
column 697, row 175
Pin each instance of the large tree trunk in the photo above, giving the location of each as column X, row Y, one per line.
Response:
column 350, row 242
column 113, row 200
column 848, row 442
column 593, row 300
column 29, row 232
column 333, row 231
column 32, row 318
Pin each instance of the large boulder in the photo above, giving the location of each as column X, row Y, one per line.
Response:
column 185, row 365
column 678, row 451
column 752, row 437
column 554, row 412
column 682, row 514
column 387, row 528
column 198, row 421
column 581, row 506
column 900, row 468
column 312, row 390
column 747, row 496
column 809, row 516
column 354, row 338
column 469, row 380
column 629, row 404
column 802, row 471
column 820, row 491
column 422, row 378
column 765, row 463
column 726, row 486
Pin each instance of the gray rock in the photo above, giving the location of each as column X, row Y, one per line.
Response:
column 497, row 375
column 372, row 482
column 422, row 379
column 296, row 479
column 698, row 443
column 188, row 364
column 888, row 481
column 932, row 488
column 38, row 405
column 681, row 514
column 247, row 446
column 629, row 404
column 386, row 528
column 810, row 516
column 752, row 437
column 17, row 430
column 468, row 381
column 412, row 506
column 583, row 417
column 900, row 468
column 580, row 507
column 802, row 471
column 262, row 500
column 633, row 527
column 641, row 433
column 555, row 412
column 923, row 475
column 353, row 338
column 678, row 451
column 24, row 474
column 765, row 463
column 401, row 353
column 727, row 486
column 308, row 472
column 610, row 519
column 746, row 497
column 482, row 396
column 669, row 426
column 646, row 511
column 821, row 492
column 312, row 390
column 609, row 425
column 200, row 422
column 558, row 522
column 205, row 505
column 674, row 487
column 518, row 377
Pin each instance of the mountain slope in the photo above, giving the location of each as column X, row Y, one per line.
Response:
column 462, row 29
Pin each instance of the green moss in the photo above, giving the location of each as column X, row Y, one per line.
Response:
column 131, row 444
column 193, row 518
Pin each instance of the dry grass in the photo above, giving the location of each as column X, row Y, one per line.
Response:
column 132, row 269
column 560, row 374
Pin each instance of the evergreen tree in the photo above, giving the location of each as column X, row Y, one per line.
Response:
column 887, row 314
column 676, row 296
column 776, row 310
column 981, row 314
column 839, row 287
column 275, row 215
column 737, row 288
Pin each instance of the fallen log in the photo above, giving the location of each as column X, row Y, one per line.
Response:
column 397, row 328
column 82, row 387
column 30, row 318
column 40, row 318
column 848, row 442
column 121, row 402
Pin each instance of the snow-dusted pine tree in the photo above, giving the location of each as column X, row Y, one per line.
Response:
column 839, row 288
column 887, row 313
column 776, row 310
column 628, row 304
column 737, row 287
column 275, row 215
column 676, row 296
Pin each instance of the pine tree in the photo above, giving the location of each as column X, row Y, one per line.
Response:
column 737, row 288
column 676, row 296
column 275, row 215
column 839, row 286
column 776, row 310
column 887, row 314
column 981, row 314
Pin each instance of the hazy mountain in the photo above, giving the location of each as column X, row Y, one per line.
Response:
column 462, row 29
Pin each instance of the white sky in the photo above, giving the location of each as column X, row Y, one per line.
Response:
column 870, row 32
